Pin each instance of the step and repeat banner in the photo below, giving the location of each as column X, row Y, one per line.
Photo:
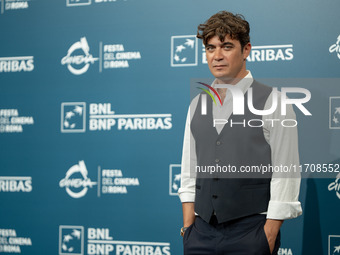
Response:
column 93, row 101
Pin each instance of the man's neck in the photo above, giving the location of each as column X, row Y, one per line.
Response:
column 232, row 80
column 223, row 91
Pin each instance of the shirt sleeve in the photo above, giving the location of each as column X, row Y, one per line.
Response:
column 282, row 136
column 188, row 181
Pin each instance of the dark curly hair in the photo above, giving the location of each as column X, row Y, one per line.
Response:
column 225, row 23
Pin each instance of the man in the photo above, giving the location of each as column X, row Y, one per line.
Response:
column 235, row 215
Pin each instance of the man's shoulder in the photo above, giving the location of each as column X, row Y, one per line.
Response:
column 193, row 106
column 194, row 101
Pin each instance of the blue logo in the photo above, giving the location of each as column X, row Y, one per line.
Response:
column 183, row 50
column 71, row 240
column 175, row 179
column 334, row 112
column 73, row 117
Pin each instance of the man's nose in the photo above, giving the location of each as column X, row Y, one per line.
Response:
column 218, row 55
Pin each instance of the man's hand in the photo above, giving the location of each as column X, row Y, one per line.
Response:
column 271, row 229
column 188, row 214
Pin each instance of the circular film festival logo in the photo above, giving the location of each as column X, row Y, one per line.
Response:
column 76, row 181
column 78, row 64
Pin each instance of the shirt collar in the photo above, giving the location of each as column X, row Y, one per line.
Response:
column 243, row 85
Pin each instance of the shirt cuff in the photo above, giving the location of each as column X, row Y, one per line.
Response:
column 283, row 210
column 187, row 197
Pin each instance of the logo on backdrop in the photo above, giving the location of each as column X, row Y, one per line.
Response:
column 70, row 3
column 103, row 118
column 16, row 64
column 333, row 244
column 335, row 186
column 99, row 241
column 184, row 50
column 285, row 251
column 7, row 5
column 15, row 183
column 334, row 112
column 336, row 47
column 71, row 240
column 113, row 182
column 111, row 56
column 11, row 243
column 110, row 181
column 115, row 56
column 12, row 122
column 73, row 117
column 78, row 64
column 270, row 53
column 77, row 187
column 174, row 179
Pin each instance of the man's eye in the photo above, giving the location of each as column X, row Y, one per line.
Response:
column 209, row 48
column 227, row 47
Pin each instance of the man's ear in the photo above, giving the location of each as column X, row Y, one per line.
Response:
column 246, row 50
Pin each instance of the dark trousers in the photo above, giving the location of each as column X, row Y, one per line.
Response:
column 243, row 236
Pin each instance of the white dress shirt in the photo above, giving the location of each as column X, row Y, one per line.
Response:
column 284, row 192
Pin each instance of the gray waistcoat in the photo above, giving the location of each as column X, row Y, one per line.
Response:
column 231, row 198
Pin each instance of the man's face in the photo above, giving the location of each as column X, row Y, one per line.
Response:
column 226, row 59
